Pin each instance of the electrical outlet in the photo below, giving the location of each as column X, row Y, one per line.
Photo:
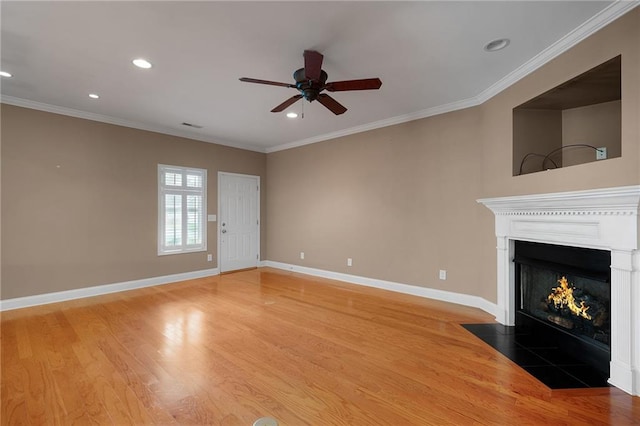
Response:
column 443, row 274
column 209, row 258
column 301, row 255
column 349, row 261
column 601, row 153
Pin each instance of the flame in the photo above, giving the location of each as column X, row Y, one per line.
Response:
column 563, row 296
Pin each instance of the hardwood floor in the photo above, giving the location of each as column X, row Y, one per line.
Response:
column 230, row 349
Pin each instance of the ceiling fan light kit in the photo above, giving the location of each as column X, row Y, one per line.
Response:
column 311, row 81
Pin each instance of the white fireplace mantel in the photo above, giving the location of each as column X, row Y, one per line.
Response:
column 605, row 219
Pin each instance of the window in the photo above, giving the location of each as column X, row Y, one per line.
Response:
column 182, row 209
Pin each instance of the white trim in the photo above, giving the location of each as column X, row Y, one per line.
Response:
column 429, row 112
column 588, row 28
column 219, row 238
column 597, row 22
column 606, row 219
column 428, row 293
column 609, row 14
column 183, row 191
column 618, row 200
column 80, row 293
column 55, row 109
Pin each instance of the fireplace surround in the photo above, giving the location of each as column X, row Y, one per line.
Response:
column 602, row 219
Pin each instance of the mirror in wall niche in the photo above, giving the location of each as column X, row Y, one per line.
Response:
column 574, row 123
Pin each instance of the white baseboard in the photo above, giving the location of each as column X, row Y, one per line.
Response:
column 429, row 293
column 61, row 296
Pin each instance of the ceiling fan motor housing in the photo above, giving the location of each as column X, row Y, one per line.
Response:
column 310, row 89
column 311, row 81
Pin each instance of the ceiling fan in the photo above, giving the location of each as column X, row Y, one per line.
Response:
column 312, row 80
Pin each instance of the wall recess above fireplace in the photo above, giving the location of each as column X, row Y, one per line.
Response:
column 567, row 124
column 603, row 219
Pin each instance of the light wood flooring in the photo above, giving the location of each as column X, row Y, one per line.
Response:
column 227, row 350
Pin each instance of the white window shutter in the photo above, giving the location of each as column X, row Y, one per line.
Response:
column 181, row 209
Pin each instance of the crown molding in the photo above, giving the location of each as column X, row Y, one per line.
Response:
column 598, row 21
column 429, row 112
column 588, row 28
column 591, row 26
column 55, row 109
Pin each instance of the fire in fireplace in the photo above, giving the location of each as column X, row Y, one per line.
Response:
column 564, row 296
column 577, row 309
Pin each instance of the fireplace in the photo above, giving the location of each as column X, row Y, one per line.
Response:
column 602, row 220
column 563, row 294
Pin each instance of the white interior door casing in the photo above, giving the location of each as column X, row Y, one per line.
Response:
column 238, row 221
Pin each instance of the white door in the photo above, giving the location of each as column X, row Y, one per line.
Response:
column 238, row 221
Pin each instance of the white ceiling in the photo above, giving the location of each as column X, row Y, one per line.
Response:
column 429, row 56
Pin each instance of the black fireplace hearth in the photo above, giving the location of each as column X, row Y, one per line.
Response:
column 562, row 332
column 544, row 360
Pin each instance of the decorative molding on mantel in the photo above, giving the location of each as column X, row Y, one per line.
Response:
column 609, row 201
column 600, row 218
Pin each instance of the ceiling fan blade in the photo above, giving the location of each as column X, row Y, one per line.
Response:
column 312, row 64
column 286, row 103
column 331, row 104
column 272, row 83
column 364, row 84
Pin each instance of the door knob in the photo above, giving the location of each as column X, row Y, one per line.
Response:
column 224, row 231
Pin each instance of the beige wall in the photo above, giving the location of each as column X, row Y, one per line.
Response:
column 401, row 200
column 621, row 37
column 93, row 220
column 596, row 125
column 537, row 131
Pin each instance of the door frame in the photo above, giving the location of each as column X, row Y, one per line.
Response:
column 218, row 218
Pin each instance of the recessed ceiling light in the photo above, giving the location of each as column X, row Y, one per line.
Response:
column 93, row 96
column 292, row 115
column 5, row 74
column 142, row 63
column 495, row 45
